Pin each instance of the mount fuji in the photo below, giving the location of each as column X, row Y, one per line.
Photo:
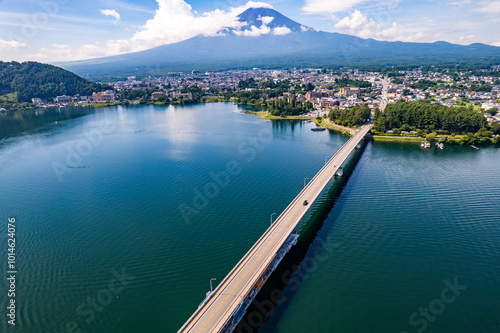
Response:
column 268, row 39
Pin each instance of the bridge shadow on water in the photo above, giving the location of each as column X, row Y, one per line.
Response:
column 304, row 257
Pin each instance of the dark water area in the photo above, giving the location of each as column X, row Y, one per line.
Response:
column 113, row 235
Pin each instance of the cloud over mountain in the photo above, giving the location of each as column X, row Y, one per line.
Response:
column 173, row 21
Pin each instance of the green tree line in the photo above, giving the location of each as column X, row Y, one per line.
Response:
column 351, row 117
column 423, row 115
column 33, row 79
column 288, row 108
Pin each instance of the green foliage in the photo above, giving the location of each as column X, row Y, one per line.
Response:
column 429, row 117
column 248, row 83
column 495, row 128
column 344, row 82
column 284, row 108
column 281, row 85
column 484, row 87
column 431, row 136
column 33, row 79
column 424, row 84
column 134, row 94
column 196, row 92
column 309, row 87
column 355, row 116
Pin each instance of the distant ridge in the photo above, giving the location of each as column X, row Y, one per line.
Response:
column 269, row 39
column 32, row 79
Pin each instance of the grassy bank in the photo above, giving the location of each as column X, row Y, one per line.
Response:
column 265, row 115
column 397, row 139
column 326, row 123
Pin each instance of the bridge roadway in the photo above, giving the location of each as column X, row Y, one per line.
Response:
column 219, row 309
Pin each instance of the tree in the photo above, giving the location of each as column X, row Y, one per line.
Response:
column 355, row 116
column 484, row 133
column 495, row 128
column 431, row 136
column 431, row 117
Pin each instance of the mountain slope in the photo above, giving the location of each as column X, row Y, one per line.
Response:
column 33, row 79
column 299, row 48
column 257, row 17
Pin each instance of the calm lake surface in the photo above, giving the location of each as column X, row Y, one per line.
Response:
column 108, row 207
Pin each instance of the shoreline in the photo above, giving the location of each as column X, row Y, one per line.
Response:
column 325, row 122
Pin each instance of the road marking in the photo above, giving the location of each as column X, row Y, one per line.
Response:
column 319, row 181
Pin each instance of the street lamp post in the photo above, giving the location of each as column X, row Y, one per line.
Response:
column 272, row 218
column 305, row 181
column 211, row 289
column 326, row 157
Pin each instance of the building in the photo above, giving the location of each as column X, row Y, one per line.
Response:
column 490, row 105
column 157, row 94
column 348, row 91
column 63, row 99
column 313, row 95
column 108, row 95
column 176, row 94
column 37, row 101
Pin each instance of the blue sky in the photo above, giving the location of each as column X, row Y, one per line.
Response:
column 59, row 30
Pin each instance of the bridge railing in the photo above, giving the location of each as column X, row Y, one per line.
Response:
column 261, row 240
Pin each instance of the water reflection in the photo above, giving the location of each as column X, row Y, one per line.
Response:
column 17, row 122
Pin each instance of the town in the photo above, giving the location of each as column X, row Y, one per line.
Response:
column 325, row 89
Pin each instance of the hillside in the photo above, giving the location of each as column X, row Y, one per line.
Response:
column 293, row 45
column 23, row 81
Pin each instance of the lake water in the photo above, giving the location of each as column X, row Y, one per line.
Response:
column 113, row 235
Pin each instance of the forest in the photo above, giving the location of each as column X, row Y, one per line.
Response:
column 288, row 108
column 351, row 117
column 423, row 115
column 32, row 79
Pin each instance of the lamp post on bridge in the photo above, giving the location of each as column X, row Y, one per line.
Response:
column 272, row 218
column 211, row 289
column 305, row 181
column 326, row 158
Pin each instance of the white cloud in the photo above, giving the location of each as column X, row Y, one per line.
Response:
column 4, row 45
column 461, row 3
column 330, row 6
column 490, row 7
column 254, row 31
column 174, row 21
column 496, row 44
column 60, row 46
column 111, row 12
column 467, row 38
column 266, row 19
column 483, row 6
column 281, row 31
column 359, row 25
column 264, row 29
